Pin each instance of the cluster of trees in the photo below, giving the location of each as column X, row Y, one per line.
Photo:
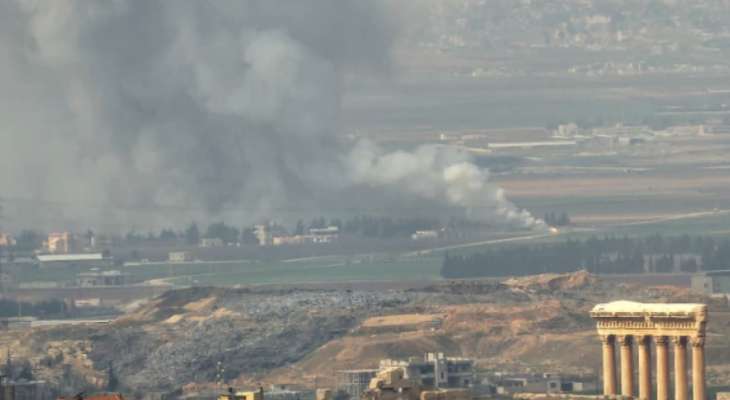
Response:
column 364, row 226
column 598, row 255
column 219, row 230
column 553, row 219
column 192, row 234
column 29, row 240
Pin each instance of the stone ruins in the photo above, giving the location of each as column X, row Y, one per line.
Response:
column 629, row 323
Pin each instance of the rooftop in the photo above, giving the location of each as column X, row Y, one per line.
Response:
column 70, row 257
column 624, row 306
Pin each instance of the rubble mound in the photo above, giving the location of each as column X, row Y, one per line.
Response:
column 552, row 282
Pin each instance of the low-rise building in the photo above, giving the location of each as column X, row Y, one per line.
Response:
column 425, row 235
column 211, row 242
column 93, row 302
column 392, row 384
column 435, row 370
column 95, row 396
column 79, row 259
column 291, row 240
column 324, row 235
column 6, row 240
column 101, row 278
column 180, row 256
column 712, row 282
column 242, row 395
column 59, row 243
column 506, row 384
column 567, row 384
column 284, row 392
column 263, row 234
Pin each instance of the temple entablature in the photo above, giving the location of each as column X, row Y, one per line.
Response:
column 630, row 324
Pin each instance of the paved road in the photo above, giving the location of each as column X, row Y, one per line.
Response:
column 477, row 244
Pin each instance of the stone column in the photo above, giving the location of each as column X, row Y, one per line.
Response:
column 609, row 365
column 680, row 367
column 644, row 344
column 662, row 368
column 698, row 368
column 627, row 366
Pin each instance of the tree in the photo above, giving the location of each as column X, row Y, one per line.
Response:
column 168, row 235
column 192, row 234
column 8, row 365
column 226, row 233
column 563, row 220
column 299, row 230
column 26, row 371
column 29, row 240
column 248, row 236
column 112, row 382
column 89, row 237
column 318, row 223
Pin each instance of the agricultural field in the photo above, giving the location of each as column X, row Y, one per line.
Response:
column 414, row 269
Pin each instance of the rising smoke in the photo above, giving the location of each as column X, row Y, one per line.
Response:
column 132, row 111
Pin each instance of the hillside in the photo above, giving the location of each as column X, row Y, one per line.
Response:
column 301, row 336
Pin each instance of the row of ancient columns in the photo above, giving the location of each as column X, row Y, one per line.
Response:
column 643, row 343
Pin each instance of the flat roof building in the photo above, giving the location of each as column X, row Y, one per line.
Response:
column 77, row 259
column 436, row 370
column 101, row 278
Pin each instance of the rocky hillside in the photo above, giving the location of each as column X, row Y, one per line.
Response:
column 192, row 336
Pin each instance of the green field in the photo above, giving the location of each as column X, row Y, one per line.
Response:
column 710, row 224
column 327, row 269
column 339, row 269
column 307, row 272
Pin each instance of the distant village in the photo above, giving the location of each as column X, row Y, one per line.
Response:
column 435, row 376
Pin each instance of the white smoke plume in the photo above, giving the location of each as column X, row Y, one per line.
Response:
column 144, row 112
column 437, row 172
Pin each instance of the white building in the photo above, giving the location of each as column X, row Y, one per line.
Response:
column 425, row 235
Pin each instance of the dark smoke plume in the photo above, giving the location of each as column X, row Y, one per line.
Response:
column 124, row 110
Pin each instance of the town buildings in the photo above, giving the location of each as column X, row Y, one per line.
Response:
column 435, row 370
column 208, row 242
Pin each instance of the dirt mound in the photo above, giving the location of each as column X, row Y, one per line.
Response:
column 552, row 282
